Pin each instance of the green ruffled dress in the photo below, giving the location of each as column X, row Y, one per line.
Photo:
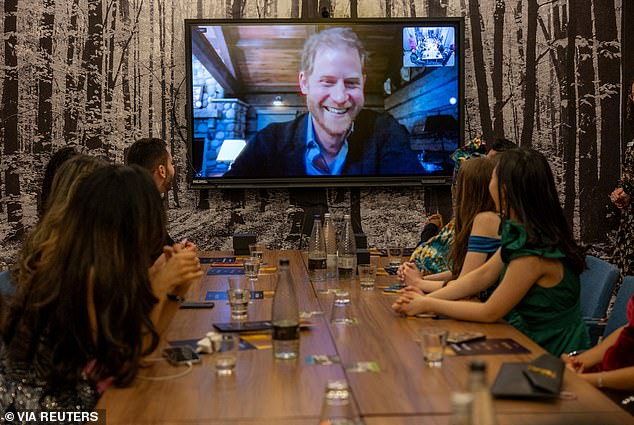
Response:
column 549, row 316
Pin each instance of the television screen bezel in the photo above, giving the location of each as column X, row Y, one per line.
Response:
column 319, row 181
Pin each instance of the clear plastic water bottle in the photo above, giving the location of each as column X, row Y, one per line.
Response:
column 285, row 317
column 330, row 238
column 347, row 251
column 337, row 408
column 317, row 252
column 483, row 411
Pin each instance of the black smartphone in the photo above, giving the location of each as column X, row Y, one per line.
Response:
column 253, row 326
column 182, row 354
column 197, row 304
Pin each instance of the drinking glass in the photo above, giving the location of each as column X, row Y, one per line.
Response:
column 394, row 254
column 226, row 356
column 337, row 407
column 257, row 250
column 251, row 271
column 367, row 276
column 432, row 343
column 238, row 295
column 341, row 313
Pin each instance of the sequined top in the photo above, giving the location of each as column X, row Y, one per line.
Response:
column 23, row 386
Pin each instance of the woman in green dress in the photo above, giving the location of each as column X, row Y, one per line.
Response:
column 537, row 265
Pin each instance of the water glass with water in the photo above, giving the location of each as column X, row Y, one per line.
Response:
column 257, row 250
column 252, row 267
column 432, row 342
column 394, row 254
column 367, row 276
column 238, row 294
column 225, row 355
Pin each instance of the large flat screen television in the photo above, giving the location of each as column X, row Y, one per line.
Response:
column 329, row 102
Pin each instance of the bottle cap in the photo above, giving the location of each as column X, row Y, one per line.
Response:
column 346, row 216
column 478, row 365
column 284, row 262
column 338, row 384
column 316, row 216
column 326, row 215
column 461, row 399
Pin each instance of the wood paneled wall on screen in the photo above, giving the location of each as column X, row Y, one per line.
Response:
column 99, row 74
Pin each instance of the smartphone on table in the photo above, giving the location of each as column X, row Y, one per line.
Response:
column 181, row 354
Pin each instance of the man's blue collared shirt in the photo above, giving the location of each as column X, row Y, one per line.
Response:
column 314, row 157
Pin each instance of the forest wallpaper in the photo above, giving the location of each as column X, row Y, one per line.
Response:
column 98, row 74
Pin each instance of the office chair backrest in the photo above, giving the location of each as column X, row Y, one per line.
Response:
column 618, row 317
column 597, row 283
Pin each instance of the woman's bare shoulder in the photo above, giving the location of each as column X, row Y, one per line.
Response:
column 486, row 224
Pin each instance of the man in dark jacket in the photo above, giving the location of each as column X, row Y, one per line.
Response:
column 337, row 136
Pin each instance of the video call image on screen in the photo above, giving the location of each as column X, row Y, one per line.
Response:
column 254, row 114
column 424, row 46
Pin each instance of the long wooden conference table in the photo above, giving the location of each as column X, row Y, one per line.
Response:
column 268, row 391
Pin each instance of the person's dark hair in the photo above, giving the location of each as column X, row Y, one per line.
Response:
column 526, row 185
column 472, row 197
column 101, row 251
column 502, row 145
column 57, row 159
column 149, row 153
column 66, row 180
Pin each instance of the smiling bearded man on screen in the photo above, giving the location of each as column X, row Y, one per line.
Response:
column 337, row 136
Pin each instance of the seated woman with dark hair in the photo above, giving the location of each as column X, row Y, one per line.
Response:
column 536, row 270
column 58, row 159
column 476, row 228
column 65, row 178
column 95, row 304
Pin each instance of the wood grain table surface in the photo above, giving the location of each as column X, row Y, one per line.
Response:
column 263, row 390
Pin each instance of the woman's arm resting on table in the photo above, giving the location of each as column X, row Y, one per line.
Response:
column 474, row 281
column 522, row 273
column 618, row 379
column 593, row 356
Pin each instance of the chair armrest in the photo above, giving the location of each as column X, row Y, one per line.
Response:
column 596, row 327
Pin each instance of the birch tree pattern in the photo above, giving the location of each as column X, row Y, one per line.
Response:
column 98, row 74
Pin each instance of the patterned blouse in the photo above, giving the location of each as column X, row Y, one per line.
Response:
column 624, row 249
column 433, row 256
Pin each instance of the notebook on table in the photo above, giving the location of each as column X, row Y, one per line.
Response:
column 541, row 378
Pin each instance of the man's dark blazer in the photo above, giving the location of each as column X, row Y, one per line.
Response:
column 379, row 145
